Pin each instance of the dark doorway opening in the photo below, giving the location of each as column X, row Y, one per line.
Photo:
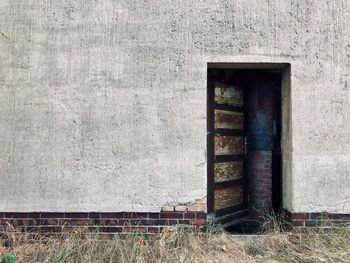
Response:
column 244, row 145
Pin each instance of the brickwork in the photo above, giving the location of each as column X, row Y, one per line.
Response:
column 120, row 222
column 124, row 222
column 260, row 184
column 199, row 205
column 304, row 220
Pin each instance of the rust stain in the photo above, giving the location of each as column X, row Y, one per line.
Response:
column 228, row 171
column 228, row 120
column 228, row 145
column 228, row 197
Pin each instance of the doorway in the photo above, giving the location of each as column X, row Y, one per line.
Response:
column 244, row 128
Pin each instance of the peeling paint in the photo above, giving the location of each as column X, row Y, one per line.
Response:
column 229, row 95
column 227, row 145
column 228, row 120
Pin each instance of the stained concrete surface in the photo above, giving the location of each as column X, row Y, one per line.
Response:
column 103, row 103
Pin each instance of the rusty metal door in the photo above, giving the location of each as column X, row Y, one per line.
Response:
column 226, row 154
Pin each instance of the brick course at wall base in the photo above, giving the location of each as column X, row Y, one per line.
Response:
column 316, row 219
column 120, row 222
column 260, row 187
column 125, row 222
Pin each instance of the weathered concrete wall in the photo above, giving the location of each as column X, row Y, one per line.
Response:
column 103, row 103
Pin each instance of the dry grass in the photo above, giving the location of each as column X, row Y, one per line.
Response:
column 184, row 245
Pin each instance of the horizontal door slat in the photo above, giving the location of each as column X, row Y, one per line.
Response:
column 229, row 158
column 228, row 107
column 238, row 182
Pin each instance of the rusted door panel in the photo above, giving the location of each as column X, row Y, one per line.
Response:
column 228, row 145
column 226, row 171
column 228, row 197
column 225, row 119
column 226, row 151
column 230, row 95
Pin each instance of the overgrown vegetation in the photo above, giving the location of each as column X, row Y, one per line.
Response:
column 182, row 244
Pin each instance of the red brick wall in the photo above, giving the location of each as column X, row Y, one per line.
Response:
column 124, row 222
column 260, row 181
column 316, row 219
column 102, row 222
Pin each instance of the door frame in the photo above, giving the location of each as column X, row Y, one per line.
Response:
column 285, row 122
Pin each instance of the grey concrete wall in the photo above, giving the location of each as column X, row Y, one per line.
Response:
column 103, row 103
